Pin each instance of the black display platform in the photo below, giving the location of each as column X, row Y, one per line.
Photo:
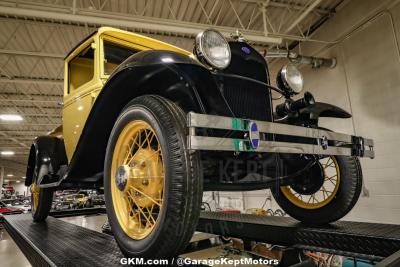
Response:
column 372, row 241
column 58, row 243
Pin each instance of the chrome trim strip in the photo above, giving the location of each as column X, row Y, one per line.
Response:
column 226, row 144
column 225, row 123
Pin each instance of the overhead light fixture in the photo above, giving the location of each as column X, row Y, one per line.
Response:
column 10, row 117
column 23, row 177
column 6, row 181
column 7, row 153
column 10, row 175
column 18, row 181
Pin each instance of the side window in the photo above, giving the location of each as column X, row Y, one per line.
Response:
column 81, row 69
column 114, row 55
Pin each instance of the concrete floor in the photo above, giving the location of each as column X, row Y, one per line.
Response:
column 10, row 254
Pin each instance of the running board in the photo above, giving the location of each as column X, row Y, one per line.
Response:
column 372, row 241
column 59, row 243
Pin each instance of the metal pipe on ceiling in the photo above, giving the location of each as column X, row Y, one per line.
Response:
column 315, row 62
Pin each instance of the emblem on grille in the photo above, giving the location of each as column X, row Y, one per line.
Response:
column 246, row 50
column 254, row 135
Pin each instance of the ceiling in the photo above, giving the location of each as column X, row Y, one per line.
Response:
column 35, row 36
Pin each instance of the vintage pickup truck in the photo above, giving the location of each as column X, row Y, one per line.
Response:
column 155, row 125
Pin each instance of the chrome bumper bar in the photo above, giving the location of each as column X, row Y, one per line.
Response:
column 346, row 145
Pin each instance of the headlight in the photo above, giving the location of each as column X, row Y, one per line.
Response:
column 212, row 48
column 290, row 79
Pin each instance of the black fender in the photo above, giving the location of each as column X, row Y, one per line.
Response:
column 171, row 75
column 45, row 150
column 320, row 109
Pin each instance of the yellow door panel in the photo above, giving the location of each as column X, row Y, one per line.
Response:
column 75, row 115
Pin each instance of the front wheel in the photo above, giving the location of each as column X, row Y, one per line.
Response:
column 323, row 194
column 153, row 185
column 41, row 198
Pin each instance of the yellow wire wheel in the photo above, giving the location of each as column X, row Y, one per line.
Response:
column 324, row 195
column 137, row 179
column 35, row 195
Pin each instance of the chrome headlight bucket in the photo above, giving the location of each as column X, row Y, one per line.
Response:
column 212, row 49
column 290, row 79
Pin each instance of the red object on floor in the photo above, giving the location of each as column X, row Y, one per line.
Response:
column 230, row 211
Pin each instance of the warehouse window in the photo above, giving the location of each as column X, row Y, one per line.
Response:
column 115, row 55
column 81, row 69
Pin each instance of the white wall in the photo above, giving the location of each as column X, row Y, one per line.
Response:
column 20, row 188
column 366, row 82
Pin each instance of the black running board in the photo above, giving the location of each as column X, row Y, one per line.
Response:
column 370, row 241
column 58, row 243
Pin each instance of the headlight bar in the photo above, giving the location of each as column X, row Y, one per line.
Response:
column 346, row 145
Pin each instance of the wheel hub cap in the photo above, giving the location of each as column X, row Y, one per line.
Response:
column 121, row 177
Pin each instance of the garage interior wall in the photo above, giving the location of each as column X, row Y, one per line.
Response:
column 21, row 189
column 366, row 81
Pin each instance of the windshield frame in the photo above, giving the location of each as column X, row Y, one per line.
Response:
column 119, row 42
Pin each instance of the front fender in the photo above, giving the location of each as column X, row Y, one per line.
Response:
column 45, row 150
column 320, row 109
column 171, row 75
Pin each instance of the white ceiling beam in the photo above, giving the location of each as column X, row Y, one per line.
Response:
column 32, row 80
column 31, row 54
column 30, row 100
column 303, row 15
column 13, row 139
column 294, row 6
column 129, row 21
column 27, row 124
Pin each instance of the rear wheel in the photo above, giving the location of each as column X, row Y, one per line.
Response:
column 325, row 193
column 41, row 198
column 152, row 183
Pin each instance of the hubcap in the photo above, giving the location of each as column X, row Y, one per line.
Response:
column 138, row 174
column 315, row 192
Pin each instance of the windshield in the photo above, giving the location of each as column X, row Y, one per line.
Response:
column 114, row 55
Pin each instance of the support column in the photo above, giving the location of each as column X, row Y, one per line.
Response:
column 1, row 180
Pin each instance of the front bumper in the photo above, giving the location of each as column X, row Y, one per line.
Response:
column 319, row 142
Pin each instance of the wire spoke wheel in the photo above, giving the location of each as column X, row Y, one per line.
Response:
column 326, row 192
column 152, row 187
column 35, row 196
column 137, row 179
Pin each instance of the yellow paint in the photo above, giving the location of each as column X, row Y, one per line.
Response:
column 84, row 79
column 35, row 190
column 137, row 205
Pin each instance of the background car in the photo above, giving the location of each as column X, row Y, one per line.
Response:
column 6, row 209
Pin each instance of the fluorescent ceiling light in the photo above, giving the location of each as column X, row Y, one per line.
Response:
column 18, row 181
column 7, row 153
column 10, row 175
column 23, row 177
column 10, row 117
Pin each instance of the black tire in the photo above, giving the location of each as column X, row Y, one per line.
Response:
column 183, row 180
column 344, row 200
column 45, row 198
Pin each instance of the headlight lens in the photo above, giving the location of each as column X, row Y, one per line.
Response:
column 291, row 79
column 212, row 48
